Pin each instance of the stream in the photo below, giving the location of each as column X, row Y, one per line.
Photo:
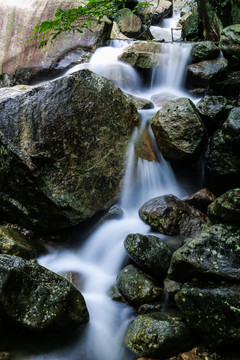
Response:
column 99, row 259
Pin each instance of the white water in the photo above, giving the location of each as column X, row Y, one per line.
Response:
column 102, row 256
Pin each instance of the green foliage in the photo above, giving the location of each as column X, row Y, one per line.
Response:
column 80, row 18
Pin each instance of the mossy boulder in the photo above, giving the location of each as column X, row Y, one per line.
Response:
column 231, row 128
column 37, row 300
column 171, row 126
column 214, row 253
column 129, row 23
column 212, row 311
column 205, row 50
column 226, row 208
column 70, row 138
column 230, row 42
column 158, row 335
column 137, row 287
column 171, row 216
column 149, row 253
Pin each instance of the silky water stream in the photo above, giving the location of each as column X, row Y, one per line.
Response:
column 101, row 257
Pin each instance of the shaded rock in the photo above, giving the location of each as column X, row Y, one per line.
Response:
column 172, row 216
column 158, row 335
column 149, row 252
column 201, row 199
column 142, row 54
column 19, row 54
column 65, row 134
column 229, row 85
column 115, row 295
column 205, row 50
column 212, row 110
column 149, row 308
column 230, row 42
column 37, row 299
column 212, row 311
column 171, row 126
column 140, row 103
column 223, row 164
column 116, row 33
column 137, row 287
column 231, row 128
column 171, row 286
column 226, row 208
column 204, row 73
column 12, row 242
column 144, row 146
column 157, row 10
column 190, row 25
column 213, row 253
column 129, row 23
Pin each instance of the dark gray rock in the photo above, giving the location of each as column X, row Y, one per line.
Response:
column 158, row 335
column 226, row 208
column 171, row 216
column 214, row 253
column 204, row 50
column 37, row 299
column 230, row 42
column 212, row 311
column 150, row 253
column 231, row 128
column 201, row 200
column 172, row 125
column 137, row 287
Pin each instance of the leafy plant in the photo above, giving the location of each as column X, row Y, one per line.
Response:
column 78, row 19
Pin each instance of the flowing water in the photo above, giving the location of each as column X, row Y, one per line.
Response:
column 98, row 261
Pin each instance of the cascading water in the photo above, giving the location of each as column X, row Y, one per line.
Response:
column 101, row 257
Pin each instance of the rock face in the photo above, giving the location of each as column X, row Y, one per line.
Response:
column 70, row 138
column 137, row 287
column 19, row 54
column 201, row 200
column 226, row 208
column 157, row 10
column 157, row 335
column 230, row 42
column 214, row 253
column 150, row 253
column 172, row 125
column 204, row 50
column 37, row 299
column 231, row 128
column 171, row 216
column 129, row 23
column 211, row 311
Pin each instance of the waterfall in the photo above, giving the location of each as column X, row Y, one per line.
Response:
column 101, row 257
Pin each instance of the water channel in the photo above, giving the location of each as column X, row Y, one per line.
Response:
column 98, row 261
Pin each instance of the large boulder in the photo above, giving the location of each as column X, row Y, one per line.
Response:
column 70, row 137
column 230, row 42
column 171, row 216
column 18, row 53
column 213, row 253
column 231, row 128
column 172, row 125
column 211, row 311
column 204, row 50
column 38, row 300
column 158, row 335
column 150, row 253
column 157, row 10
column 201, row 200
column 137, row 287
column 131, row 25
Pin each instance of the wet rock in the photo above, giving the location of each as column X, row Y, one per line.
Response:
column 171, row 216
column 137, row 287
column 12, row 242
column 158, row 335
column 150, row 253
column 213, row 253
column 5, row 356
column 162, row 98
column 229, row 85
column 115, row 295
column 157, row 10
column 230, row 42
column 212, row 311
column 37, row 299
column 231, row 128
column 226, row 208
column 212, row 111
column 204, row 50
column 223, row 164
column 171, row 286
column 142, row 54
column 144, row 147
column 66, row 148
column 149, row 308
column 141, row 104
column 116, row 33
column 204, row 73
column 198, row 353
column 171, row 126
column 201, row 200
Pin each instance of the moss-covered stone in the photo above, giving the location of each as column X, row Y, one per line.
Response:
column 38, row 300
column 230, row 42
column 231, row 128
column 204, row 50
column 158, row 335
column 137, row 287
column 226, row 208
column 212, row 311
column 150, row 253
